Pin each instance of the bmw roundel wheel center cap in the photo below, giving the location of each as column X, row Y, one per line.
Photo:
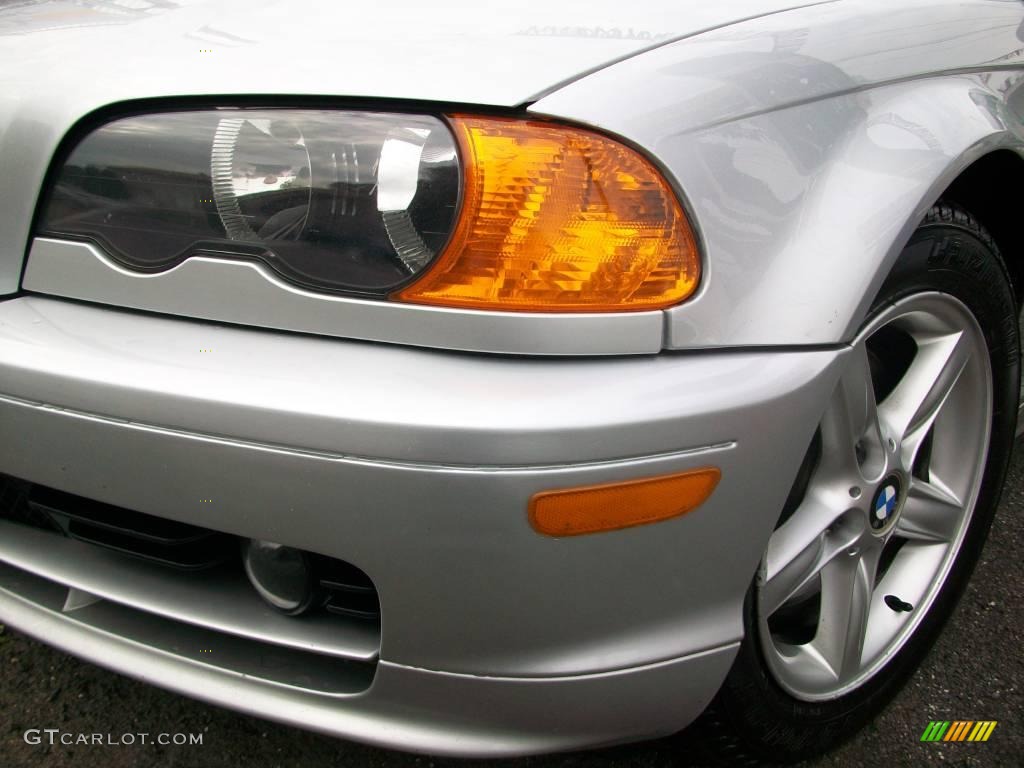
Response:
column 886, row 503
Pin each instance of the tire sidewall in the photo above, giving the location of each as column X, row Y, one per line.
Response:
column 949, row 253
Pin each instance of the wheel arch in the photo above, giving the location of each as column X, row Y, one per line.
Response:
column 981, row 188
column 981, row 159
column 804, row 208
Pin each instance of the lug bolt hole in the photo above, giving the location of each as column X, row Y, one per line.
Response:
column 855, row 492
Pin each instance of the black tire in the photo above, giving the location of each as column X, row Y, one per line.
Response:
column 752, row 720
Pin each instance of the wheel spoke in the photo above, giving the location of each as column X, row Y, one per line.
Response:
column 852, row 419
column 800, row 548
column 830, row 616
column 931, row 513
column 910, row 409
column 847, row 584
column 912, row 572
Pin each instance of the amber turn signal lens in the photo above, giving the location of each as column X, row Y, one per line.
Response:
column 572, row 511
column 559, row 219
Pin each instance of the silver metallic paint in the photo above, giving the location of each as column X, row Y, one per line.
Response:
column 60, row 62
column 416, row 465
column 401, row 707
column 226, row 606
column 809, row 145
column 198, row 287
column 302, row 440
column 277, row 665
column 806, row 154
column 803, row 212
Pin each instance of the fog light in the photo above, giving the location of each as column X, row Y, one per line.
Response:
column 282, row 575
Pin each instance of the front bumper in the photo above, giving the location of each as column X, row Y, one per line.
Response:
column 416, row 466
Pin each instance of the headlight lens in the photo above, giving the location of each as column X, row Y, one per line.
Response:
column 347, row 201
column 477, row 212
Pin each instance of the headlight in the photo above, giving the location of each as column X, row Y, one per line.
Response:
column 355, row 201
column 535, row 216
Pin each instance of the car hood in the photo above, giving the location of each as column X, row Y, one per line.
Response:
column 104, row 51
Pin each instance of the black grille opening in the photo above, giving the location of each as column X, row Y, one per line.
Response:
column 346, row 590
column 135, row 533
column 343, row 589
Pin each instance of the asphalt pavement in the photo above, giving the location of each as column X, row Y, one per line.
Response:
column 975, row 672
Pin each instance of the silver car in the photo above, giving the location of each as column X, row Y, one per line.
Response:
column 496, row 381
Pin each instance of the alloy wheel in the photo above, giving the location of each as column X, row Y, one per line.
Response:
column 853, row 567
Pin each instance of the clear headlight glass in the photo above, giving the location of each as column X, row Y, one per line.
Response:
column 355, row 202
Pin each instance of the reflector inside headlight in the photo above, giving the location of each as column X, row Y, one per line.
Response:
column 337, row 200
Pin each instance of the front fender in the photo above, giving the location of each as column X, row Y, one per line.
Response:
column 806, row 168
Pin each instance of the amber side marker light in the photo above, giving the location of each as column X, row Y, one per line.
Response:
column 609, row 507
column 559, row 219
